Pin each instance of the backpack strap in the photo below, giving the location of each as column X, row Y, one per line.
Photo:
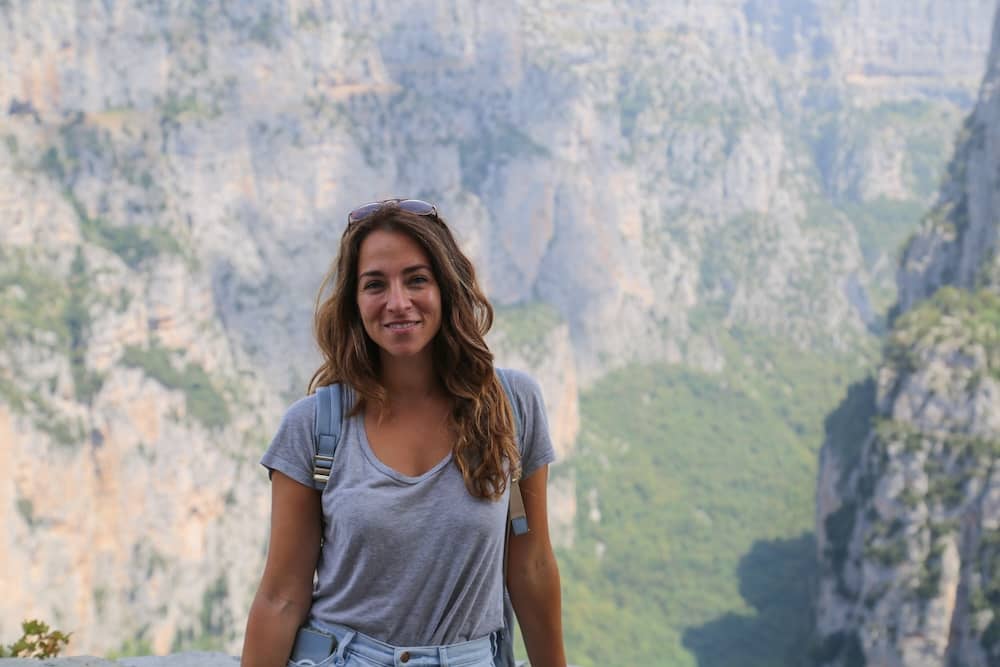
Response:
column 326, row 432
column 518, row 525
column 515, row 511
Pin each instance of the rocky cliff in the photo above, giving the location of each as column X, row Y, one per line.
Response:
column 631, row 178
column 908, row 516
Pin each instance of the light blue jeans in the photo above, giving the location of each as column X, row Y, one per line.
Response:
column 355, row 649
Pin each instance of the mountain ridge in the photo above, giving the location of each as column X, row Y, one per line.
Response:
column 907, row 513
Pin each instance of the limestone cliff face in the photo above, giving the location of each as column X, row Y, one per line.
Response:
column 128, row 426
column 173, row 184
column 293, row 111
column 908, row 514
column 958, row 244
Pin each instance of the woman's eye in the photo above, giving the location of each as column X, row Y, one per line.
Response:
column 372, row 285
column 419, row 279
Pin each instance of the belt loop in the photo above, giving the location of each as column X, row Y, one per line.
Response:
column 442, row 656
column 338, row 657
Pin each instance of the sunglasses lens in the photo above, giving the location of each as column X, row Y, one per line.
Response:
column 363, row 211
column 417, row 207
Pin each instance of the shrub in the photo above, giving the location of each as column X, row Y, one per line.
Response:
column 37, row 641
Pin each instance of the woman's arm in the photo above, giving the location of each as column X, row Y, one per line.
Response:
column 285, row 593
column 533, row 579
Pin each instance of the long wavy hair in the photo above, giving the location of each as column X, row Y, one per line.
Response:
column 480, row 417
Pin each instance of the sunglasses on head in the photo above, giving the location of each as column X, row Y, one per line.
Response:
column 415, row 206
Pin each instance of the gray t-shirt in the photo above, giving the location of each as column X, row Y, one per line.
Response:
column 411, row 561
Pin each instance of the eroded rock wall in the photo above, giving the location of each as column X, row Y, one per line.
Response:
column 908, row 514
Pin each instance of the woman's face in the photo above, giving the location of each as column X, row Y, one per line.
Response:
column 398, row 297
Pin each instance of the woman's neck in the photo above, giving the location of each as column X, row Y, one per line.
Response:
column 409, row 380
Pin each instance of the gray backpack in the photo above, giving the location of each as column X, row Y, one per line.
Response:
column 326, row 435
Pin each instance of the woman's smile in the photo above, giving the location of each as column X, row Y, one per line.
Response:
column 402, row 326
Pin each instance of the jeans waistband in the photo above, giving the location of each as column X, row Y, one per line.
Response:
column 476, row 651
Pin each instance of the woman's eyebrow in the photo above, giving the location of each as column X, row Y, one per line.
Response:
column 408, row 269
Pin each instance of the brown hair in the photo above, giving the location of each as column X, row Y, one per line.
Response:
column 480, row 415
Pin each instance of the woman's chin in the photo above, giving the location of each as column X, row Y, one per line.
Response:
column 404, row 351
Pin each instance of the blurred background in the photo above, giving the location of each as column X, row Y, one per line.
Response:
column 748, row 248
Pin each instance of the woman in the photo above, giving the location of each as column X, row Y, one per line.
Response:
column 406, row 540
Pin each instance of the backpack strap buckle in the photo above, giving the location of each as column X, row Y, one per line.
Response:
column 518, row 517
column 322, row 465
column 326, row 431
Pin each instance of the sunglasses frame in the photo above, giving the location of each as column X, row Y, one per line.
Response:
column 414, row 206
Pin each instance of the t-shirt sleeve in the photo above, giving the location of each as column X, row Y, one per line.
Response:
column 291, row 450
column 536, row 443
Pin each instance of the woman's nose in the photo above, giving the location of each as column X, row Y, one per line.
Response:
column 398, row 298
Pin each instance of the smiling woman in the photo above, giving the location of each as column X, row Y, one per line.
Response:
column 398, row 299
column 399, row 556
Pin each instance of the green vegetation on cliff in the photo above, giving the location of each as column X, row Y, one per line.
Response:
column 31, row 301
column 203, row 401
column 522, row 326
column 133, row 244
column 49, row 311
column 968, row 322
column 695, row 507
column 216, row 625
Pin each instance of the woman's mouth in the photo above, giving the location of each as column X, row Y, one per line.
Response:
column 401, row 326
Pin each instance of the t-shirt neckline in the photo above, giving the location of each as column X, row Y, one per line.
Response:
column 373, row 459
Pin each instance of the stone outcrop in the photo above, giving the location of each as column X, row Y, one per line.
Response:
column 958, row 244
column 908, row 516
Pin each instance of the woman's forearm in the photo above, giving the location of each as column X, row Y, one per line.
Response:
column 537, row 601
column 270, row 632
column 285, row 593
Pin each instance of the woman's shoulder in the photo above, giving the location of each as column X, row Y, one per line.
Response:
column 291, row 448
column 521, row 383
column 302, row 411
column 535, row 442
